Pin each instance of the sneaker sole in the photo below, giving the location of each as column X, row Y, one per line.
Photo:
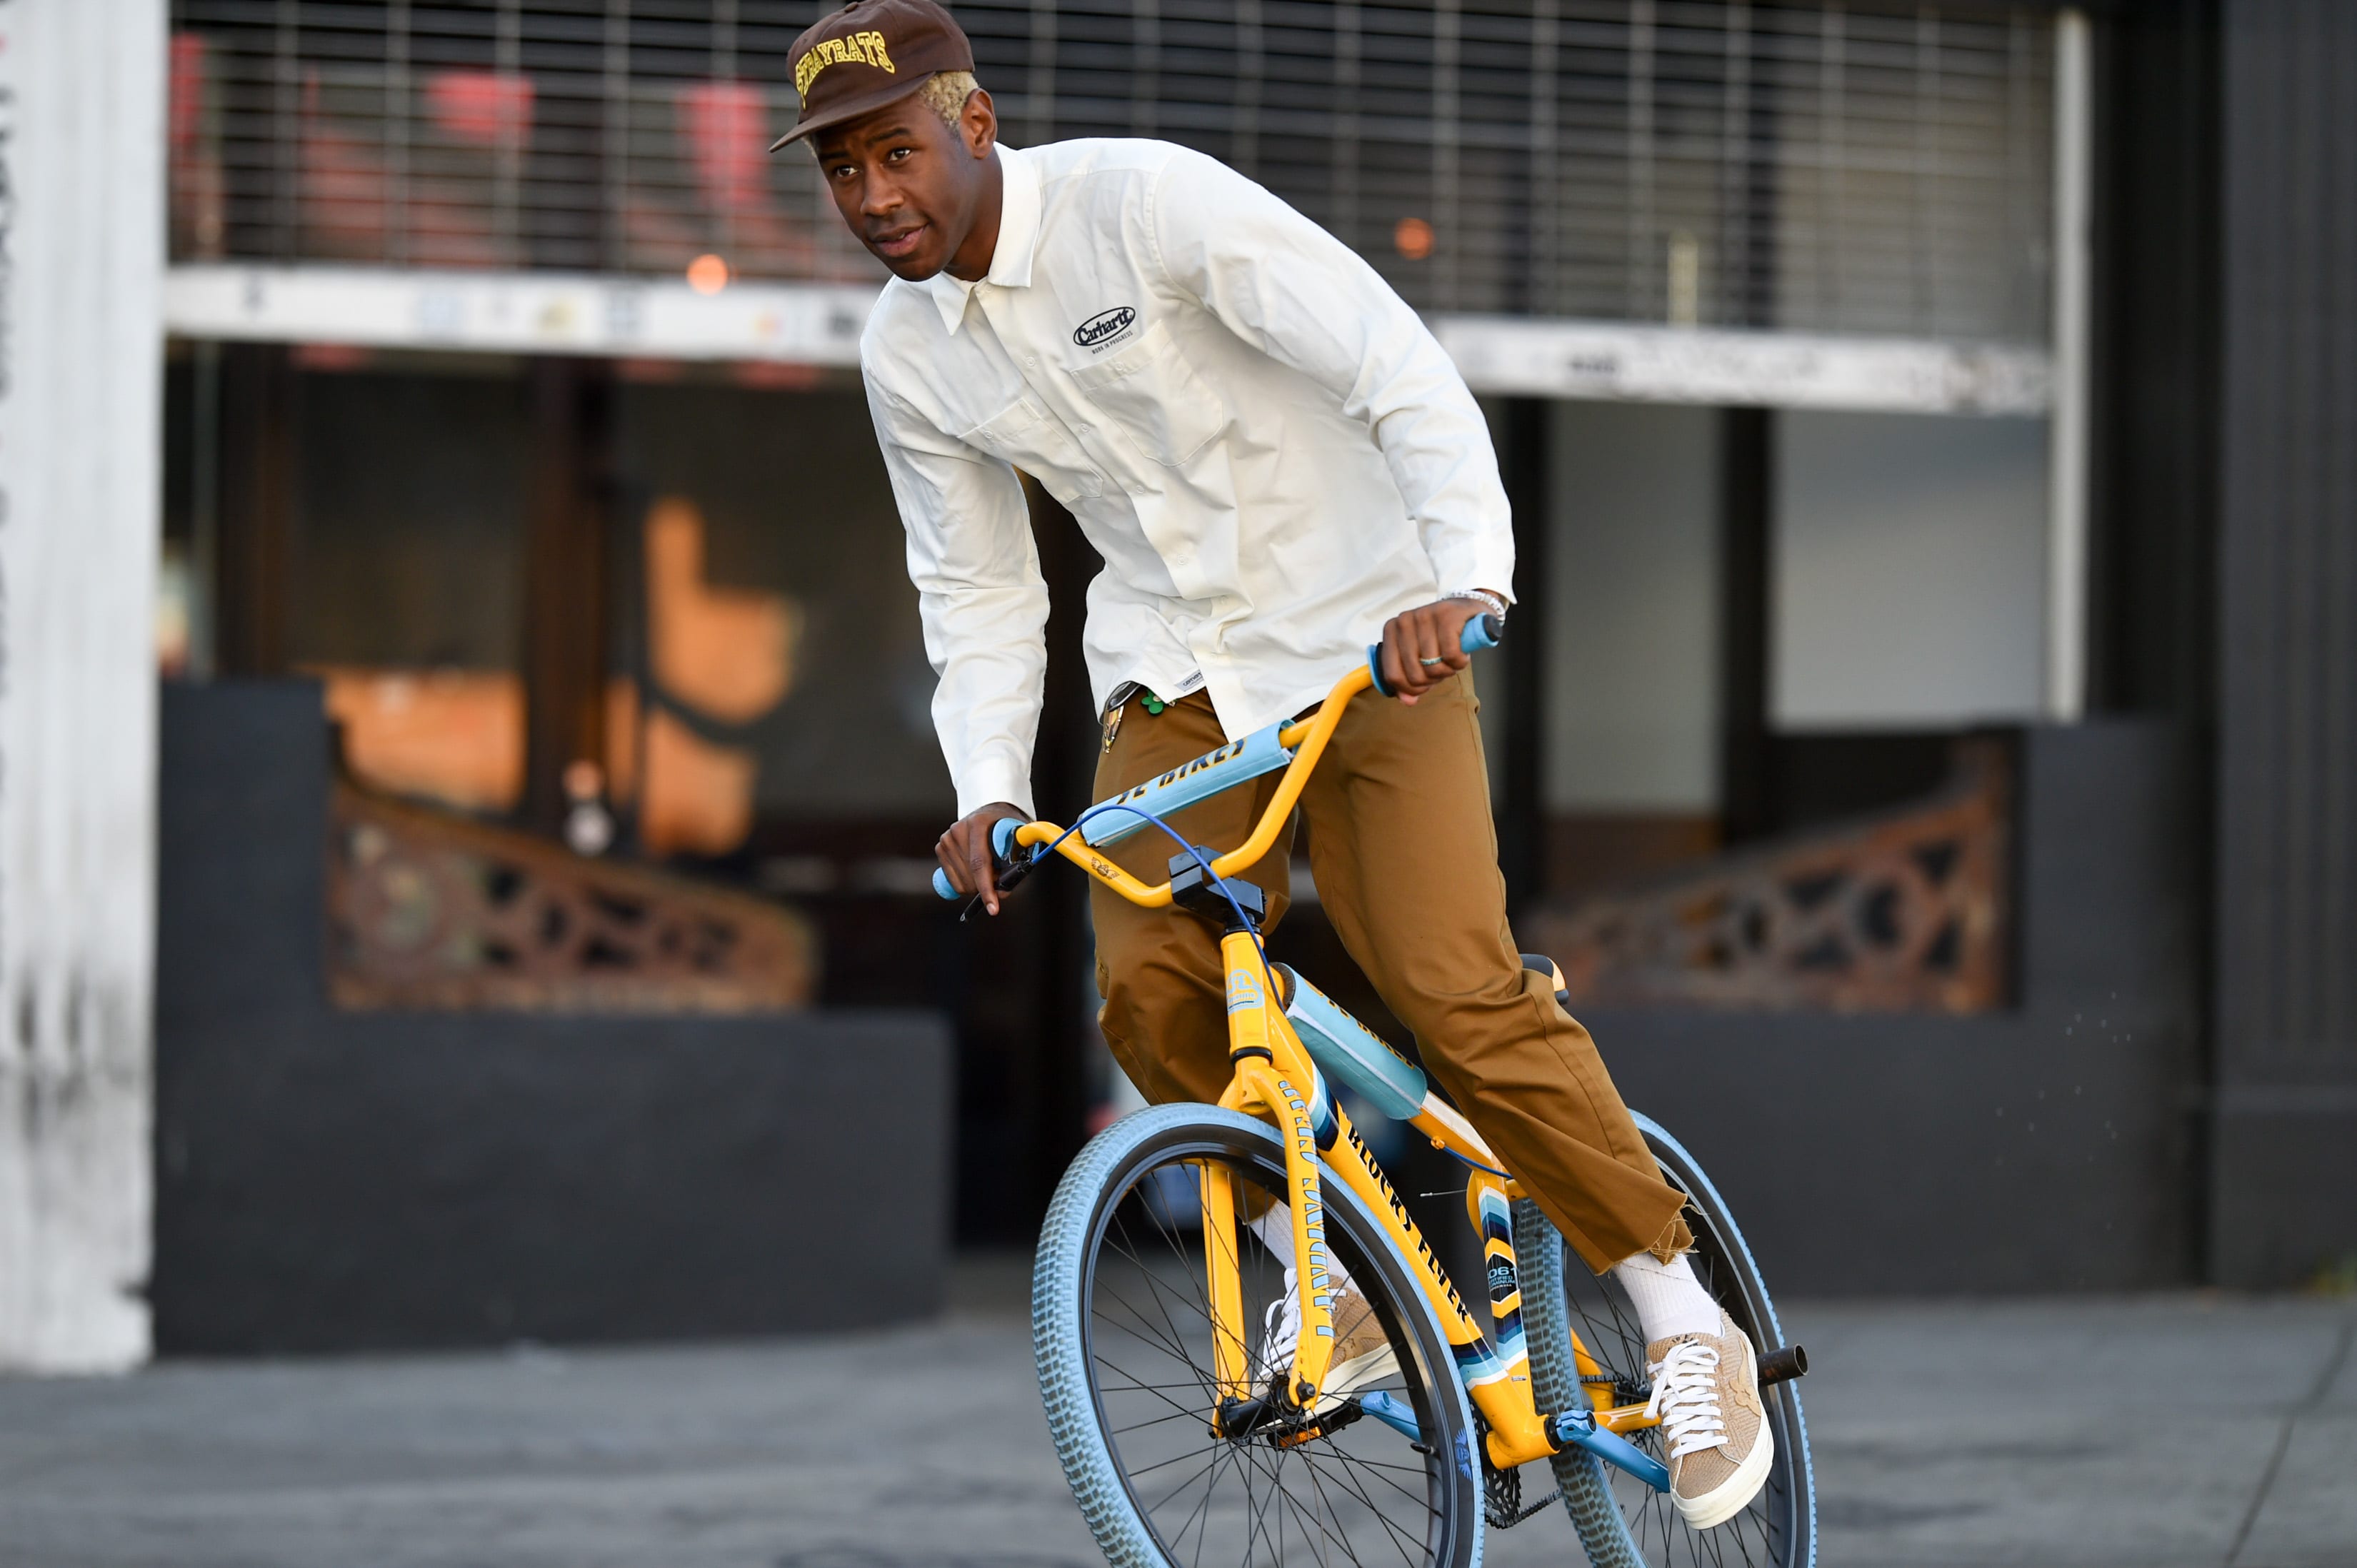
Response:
column 1732, row 1496
column 1355, row 1374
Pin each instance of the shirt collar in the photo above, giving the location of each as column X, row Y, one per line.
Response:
column 1019, row 239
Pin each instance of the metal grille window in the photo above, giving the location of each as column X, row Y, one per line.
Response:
column 1869, row 166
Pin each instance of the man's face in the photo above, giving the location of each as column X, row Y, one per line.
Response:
column 908, row 184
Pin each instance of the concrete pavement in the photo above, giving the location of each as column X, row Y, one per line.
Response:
column 1948, row 1435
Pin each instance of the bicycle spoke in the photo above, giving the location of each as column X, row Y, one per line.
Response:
column 1199, row 1512
column 1154, row 1420
column 1156, row 1290
column 1293, row 1504
column 1398, row 1538
column 1333, row 1513
column 1218, row 1454
column 1256, row 1514
column 1145, row 1328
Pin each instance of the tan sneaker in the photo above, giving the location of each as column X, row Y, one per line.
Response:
column 1706, row 1397
column 1363, row 1352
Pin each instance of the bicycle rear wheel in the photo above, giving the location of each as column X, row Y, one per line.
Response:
column 1123, row 1341
column 1623, row 1522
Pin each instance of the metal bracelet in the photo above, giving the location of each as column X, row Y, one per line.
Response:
column 1497, row 606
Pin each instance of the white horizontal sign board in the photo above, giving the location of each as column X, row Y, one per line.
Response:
column 819, row 324
column 528, row 312
column 1533, row 358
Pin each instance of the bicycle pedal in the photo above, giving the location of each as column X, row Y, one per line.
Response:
column 1326, row 1425
column 1783, row 1366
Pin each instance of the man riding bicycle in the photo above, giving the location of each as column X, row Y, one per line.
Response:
column 1275, row 459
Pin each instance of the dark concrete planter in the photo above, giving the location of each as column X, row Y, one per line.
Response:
column 332, row 1180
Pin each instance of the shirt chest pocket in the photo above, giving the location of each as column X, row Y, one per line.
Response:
column 1150, row 391
column 1023, row 434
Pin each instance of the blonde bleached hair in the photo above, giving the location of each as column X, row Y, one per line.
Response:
column 945, row 92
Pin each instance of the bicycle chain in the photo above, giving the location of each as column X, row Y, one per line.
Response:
column 1502, row 1490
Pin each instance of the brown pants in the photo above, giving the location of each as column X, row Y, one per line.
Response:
column 1406, row 864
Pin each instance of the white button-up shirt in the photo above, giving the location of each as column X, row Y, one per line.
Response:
column 1266, row 445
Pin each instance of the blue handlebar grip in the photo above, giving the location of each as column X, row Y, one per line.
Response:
column 1482, row 631
column 942, row 888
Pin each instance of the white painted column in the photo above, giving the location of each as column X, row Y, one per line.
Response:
column 82, row 267
column 2066, row 575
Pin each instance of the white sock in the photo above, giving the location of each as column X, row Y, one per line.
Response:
column 1275, row 1229
column 1668, row 1298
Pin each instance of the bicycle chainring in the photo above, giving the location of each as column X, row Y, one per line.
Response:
column 1502, row 1490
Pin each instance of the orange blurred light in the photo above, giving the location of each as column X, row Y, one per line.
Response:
column 699, row 798
column 707, row 274
column 726, row 652
column 453, row 736
column 1413, row 238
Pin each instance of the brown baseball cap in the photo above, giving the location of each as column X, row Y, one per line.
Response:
column 869, row 54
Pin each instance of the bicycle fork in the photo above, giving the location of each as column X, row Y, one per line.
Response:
column 1275, row 1075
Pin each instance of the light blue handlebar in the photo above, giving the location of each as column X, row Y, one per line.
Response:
column 1001, row 844
column 1481, row 631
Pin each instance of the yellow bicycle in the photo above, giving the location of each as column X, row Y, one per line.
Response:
column 1183, row 1444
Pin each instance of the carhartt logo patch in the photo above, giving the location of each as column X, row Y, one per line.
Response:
column 1104, row 326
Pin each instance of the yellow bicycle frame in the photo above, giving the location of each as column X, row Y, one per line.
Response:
column 1276, row 1080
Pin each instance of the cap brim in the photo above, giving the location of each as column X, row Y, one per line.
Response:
column 858, row 109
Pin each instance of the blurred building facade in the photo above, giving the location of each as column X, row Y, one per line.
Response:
column 1926, row 733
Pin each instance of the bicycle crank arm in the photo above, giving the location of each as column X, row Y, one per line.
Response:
column 1578, row 1429
column 1393, row 1412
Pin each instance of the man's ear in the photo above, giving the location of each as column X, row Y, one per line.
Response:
column 978, row 125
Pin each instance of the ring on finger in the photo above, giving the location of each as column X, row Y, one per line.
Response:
column 1428, row 663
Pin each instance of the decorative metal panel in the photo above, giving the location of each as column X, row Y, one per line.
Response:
column 427, row 909
column 1907, row 911
column 1860, row 167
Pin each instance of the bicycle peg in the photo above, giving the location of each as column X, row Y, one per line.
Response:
column 1482, row 631
column 1002, row 847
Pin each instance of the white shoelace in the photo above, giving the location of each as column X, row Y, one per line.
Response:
column 1281, row 1328
column 1685, row 1398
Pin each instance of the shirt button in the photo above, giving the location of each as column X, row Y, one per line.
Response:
column 1031, row 362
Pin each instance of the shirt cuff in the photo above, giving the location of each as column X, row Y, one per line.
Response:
column 1487, row 567
column 993, row 779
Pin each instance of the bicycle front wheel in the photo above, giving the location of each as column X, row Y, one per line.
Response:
column 1623, row 1522
column 1123, row 1337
